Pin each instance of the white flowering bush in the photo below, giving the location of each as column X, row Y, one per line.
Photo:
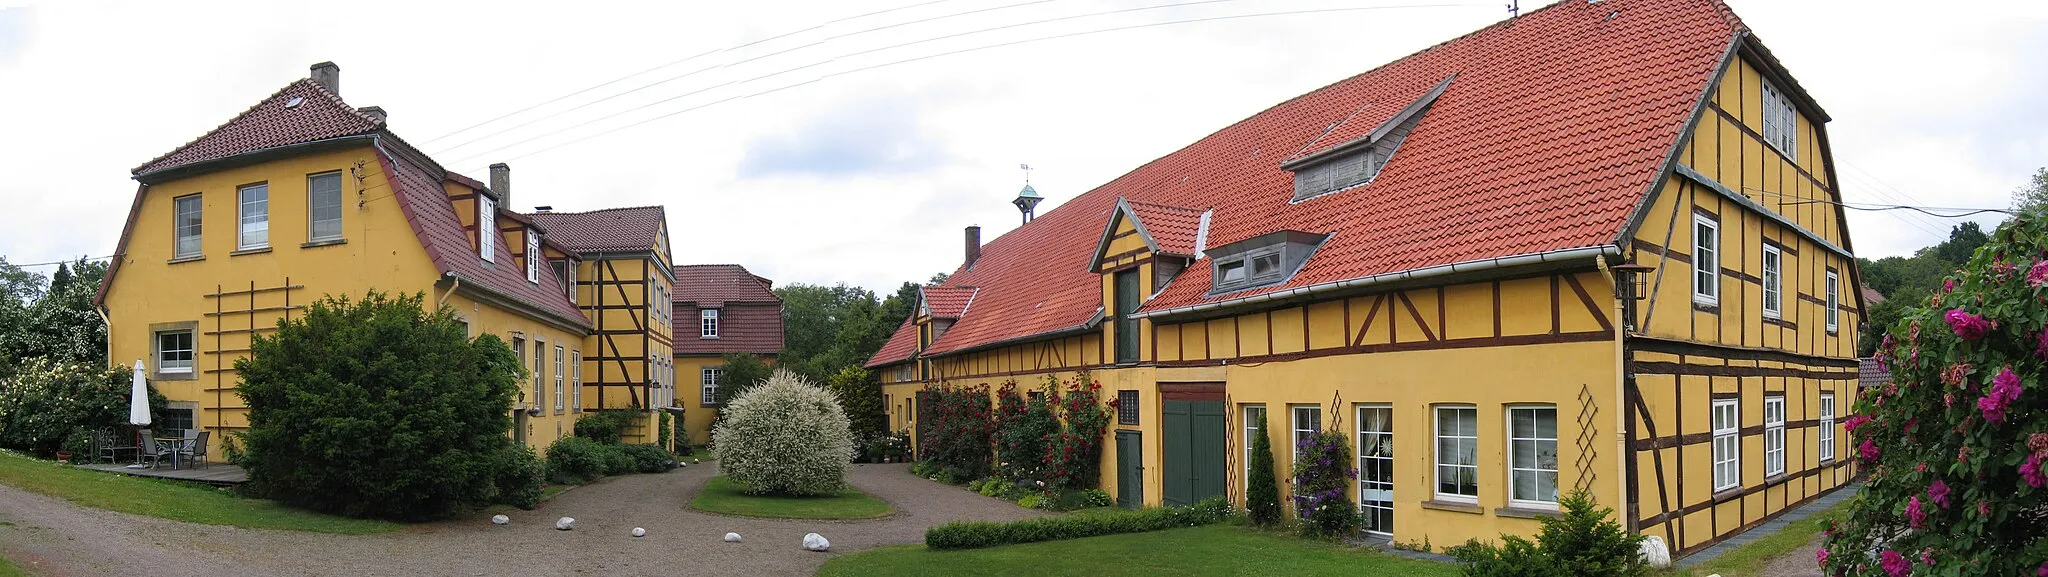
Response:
column 785, row 436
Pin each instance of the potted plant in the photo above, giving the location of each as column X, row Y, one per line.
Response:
column 79, row 442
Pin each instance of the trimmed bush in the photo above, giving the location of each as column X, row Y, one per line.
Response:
column 578, row 460
column 377, row 408
column 1581, row 541
column 785, row 436
column 649, row 458
column 608, row 427
column 977, row 534
column 1262, row 492
column 518, row 476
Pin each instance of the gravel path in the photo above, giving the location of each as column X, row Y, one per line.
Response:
column 53, row 537
column 1798, row 563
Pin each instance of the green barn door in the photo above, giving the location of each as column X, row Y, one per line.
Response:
column 1195, row 450
column 1130, row 477
column 1126, row 327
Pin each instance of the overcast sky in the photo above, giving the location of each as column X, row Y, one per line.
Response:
column 866, row 175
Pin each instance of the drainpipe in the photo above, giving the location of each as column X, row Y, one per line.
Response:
column 1623, row 376
column 443, row 301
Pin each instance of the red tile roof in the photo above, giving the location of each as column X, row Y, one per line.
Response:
column 272, row 122
column 1555, row 127
column 611, row 229
column 742, row 328
column 902, row 344
column 947, row 302
column 712, row 285
column 1173, row 228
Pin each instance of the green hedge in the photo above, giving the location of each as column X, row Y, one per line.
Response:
column 977, row 534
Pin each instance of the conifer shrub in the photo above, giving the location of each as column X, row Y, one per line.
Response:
column 1262, row 491
column 1581, row 541
column 785, row 436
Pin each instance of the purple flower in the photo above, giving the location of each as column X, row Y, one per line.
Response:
column 2031, row 471
column 1927, row 556
column 1821, row 557
column 1968, row 326
column 2005, row 388
column 1939, row 493
column 2041, row 346
column 1854, row 422
column 1913, row 513
column 2038, row 275
column 1869, row 450
column 1948, row 285
column 2042, row 571
column 1894, row 564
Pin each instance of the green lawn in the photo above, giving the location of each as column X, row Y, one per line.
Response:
column 721, row 495
column 170, row 500
column 7, row 569
column 1750, row 559
column 1211, row 550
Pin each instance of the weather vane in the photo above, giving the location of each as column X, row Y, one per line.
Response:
column 1027, row 172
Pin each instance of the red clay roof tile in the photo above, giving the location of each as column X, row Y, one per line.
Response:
column 611, row 229
column 711, row 285
column 947, row 302
column 272, row 122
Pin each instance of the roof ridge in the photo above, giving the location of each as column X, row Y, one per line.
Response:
column 598, row 210
column 336, row 99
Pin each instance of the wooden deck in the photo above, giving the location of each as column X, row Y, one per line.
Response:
column 210, row 473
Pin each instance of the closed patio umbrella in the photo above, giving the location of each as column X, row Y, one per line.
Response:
column 138, row 398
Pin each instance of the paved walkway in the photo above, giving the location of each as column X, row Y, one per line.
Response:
column 1789, row 565
column 56, row 538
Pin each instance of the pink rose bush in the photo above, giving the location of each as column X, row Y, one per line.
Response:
column 1954, row 444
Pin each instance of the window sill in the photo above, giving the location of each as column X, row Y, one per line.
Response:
column 175, row 376
column 1712, row 307
column 1728, row 494
column 709, row 338
column 321, row 243
column 1774, row 479
column 248, row 251
column 1454, row 506
column 1524, row 512
column 193, row 258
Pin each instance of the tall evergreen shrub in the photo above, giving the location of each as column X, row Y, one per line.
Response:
column 1262, row 492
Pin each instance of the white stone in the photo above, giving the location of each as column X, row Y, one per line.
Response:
column 732, row 537
column 1655, row 553
column 500, row 519
column 816, row 542
column 639, row 532
column 565, row 523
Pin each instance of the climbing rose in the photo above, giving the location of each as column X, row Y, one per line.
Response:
column 1968, row 326
column 1983, row 508
column 2041, row 346
column 1895, row 564
column 1854, row 422
column 1869, row 450
column 2005, row 388
column 1955, row 373
column 2038, row 275
column 1939, row 493
column 1948, row 285
column 2038, row 442
column 1821, row 556
column 2042, row 571
column 1913, row 512
column 2031, row 471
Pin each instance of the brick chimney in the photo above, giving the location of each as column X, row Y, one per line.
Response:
column 376, row 112
column 328, row 76
column 501, row 183
column 973, row 246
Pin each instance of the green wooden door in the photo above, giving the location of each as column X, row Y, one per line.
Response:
column 1196, row 452
column 1126, row 327
column 1130, row 470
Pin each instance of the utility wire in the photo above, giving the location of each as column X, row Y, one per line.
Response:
column 56, row 262
column 915, row 59
column 1928, row 210
column 1895, row 194
column 700, row 55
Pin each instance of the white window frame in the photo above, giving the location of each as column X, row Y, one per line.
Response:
column 486, row 227
column 256, row 226
column 1706, row 261
column 707, row 323
column 1314, row 414
column 1834, row 304
column 1781, row 121
column 1774, row 435
column 532, row 256
column 313, row 204
column 1536, row 468
column 1438, row 454
column 540, row 366
column 1827, row 427
column 708, row 379
column 178, row 228
column 519, row 351
column 1251, row 432
column 560, row 391
column 191, row 353
column 1365, row 490
column 576, row 380
column 1727, row 443
column 1774, row 282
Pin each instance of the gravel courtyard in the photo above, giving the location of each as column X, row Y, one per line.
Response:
column 50, row 536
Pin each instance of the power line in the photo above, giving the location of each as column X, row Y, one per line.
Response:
column 1927, row 210
column 56, row 262
column 909, row 60
column 1901, row 196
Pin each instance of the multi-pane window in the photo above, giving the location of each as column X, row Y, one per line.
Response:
column 1706, row 262
column 560, row 391
column 1781, row 122
column 576, row 381
column 710, row 384
column 1773, row 264
column 1254, row 417
column 323, row 197
column 1827, row 427
column 532, row 256
column 540, row 365
column 519, row 350
column 1833, row 307
column 1376, row 467
column 1127, row 407
column 174, row 422
column 1308, row 420
column 1457, row 453
column 707, row 323
column 255, row 217
column 1532, row 455
column 1774, row 436
column 189, row 211
column 174, row 351
column 1727, row 445
column 486, row 227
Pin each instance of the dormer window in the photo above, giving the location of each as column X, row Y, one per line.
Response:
column 1356, row 162
column 532, row 256
column 486, row 225
column 1260, row 261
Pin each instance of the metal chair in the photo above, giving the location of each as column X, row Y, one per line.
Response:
column 149, row 451
column 109, row 446
column 194, row 449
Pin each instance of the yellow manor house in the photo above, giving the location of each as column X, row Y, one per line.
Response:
column 303, row 196
column 1590, row 247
